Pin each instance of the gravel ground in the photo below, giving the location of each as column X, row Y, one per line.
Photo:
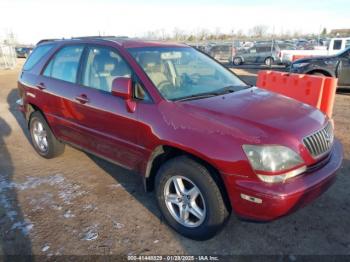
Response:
column 79, row 204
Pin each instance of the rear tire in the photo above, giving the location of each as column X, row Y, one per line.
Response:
column 237, row 61
column 198, row 215
column 43, row 140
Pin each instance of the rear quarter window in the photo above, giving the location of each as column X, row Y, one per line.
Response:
column 37, row 54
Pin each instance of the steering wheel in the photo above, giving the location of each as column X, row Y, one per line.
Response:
column 195, row 77
column 164, row 86
column 191, row 79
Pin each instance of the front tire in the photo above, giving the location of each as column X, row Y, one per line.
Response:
column 269, row 61
column 189, row 198
column 43, row 140
column 318, row 74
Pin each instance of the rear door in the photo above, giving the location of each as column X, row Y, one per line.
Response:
column 58, row 81
column 344, row 69
column 262, row 53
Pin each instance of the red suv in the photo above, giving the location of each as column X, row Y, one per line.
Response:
column 203, row 139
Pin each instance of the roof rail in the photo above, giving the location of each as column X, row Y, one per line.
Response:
column 98, row 36
column 82, row 37
column 48, row 40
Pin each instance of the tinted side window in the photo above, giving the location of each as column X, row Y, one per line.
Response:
column 36, row 55
column 252, row 50
column 347, row 43
column 64, row 65
column 263, row 49
column 337, row 44
column 224, row 48
column 103, row 65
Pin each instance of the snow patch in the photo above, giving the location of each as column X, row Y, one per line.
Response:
column 90, row 233
column 24, row 226
column 45, row 248
column 67, row 192
column 90, row 207
column 68, row 214
column 115, row 186
column 117, row 225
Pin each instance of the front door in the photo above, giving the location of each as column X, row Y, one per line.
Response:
column 250, row 57
column 111, row 128
column 344, row 69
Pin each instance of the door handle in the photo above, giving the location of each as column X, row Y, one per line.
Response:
column 82, row 99
column 41, row 86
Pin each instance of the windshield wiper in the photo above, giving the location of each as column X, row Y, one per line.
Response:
column 233, row 88
column 197, row 96
column 222, row 91
column 225, row 90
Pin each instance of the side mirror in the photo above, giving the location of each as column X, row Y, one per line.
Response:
column 122, row 87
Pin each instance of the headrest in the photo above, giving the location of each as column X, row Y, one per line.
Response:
column 149, row 59
column 104, row 62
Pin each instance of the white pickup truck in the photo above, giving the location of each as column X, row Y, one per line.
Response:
column 335, row 46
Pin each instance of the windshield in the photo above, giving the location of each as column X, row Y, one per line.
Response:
column 343, row 52
column 182, row 72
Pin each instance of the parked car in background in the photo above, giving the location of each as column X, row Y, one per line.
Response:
column 23, row 51
column 335, row 66
column 203, row 139
column 247, row 45
column 267, row 53
column 200, row 47
column 221, row 52
column 303, row 44
column 335, row 46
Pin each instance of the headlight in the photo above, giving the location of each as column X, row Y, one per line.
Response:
column 299, row 65
column 274, row 159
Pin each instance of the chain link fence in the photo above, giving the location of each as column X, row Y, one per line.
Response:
column 7, row 57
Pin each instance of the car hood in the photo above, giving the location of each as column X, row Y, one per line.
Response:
column 254, row 112
column 315, row 59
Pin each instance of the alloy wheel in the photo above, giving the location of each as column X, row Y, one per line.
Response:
column 184, row 201
column 40, row 136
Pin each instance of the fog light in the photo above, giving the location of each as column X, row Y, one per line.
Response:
column 251, row 199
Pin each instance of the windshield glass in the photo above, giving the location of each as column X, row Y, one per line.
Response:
column 343, row 52
column 182, row 72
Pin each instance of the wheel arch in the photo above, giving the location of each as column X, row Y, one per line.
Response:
column 163, row 153
column 269, row 57
column 321, row 71
column 240, row 57
column 31, row 108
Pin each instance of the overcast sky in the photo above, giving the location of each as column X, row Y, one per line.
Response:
column 32, row 20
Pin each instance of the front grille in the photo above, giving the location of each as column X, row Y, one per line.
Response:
column 320, row 142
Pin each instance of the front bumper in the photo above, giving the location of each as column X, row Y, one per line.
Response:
column 283, row 198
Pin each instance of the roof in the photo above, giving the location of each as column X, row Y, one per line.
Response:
column 135, row 43
column 121, row 40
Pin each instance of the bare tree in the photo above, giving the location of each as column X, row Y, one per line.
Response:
column 203, row 34
column 259, row 30
column 179, row 34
